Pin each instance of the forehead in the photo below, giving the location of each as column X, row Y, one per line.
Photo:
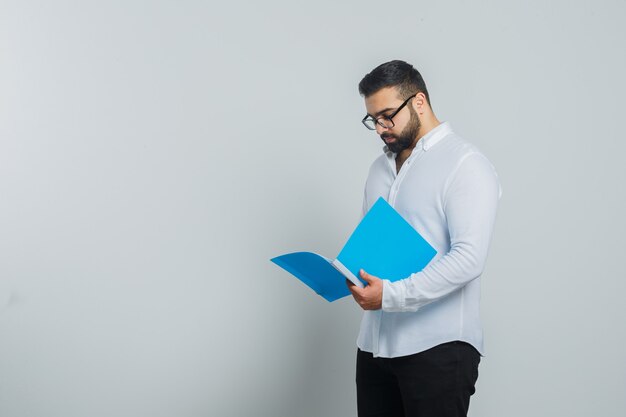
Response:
column 384, row 99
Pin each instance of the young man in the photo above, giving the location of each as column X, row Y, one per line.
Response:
column 421, row 340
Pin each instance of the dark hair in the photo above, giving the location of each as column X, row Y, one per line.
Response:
column 397, row 74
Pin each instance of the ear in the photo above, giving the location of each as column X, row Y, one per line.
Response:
column 419, row 103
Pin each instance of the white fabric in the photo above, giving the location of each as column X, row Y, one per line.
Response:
column 448, row 191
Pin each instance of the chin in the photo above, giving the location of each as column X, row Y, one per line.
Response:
column 396, row 147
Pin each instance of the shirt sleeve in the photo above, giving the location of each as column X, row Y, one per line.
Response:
column 365, row 208
column 470, row 202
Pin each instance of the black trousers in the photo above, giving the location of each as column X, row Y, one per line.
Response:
column 435, row 383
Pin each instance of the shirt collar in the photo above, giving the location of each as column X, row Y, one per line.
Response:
column 430, row 139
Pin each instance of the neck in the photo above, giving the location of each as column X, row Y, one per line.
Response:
column 428, row 123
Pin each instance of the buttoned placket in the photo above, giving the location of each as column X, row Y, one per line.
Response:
column 397, row 182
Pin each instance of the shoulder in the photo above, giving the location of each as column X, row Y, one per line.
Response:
column 456, row 147
column 457, row 151
column 466, row 164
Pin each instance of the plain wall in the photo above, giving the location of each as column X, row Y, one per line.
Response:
column 155, row 155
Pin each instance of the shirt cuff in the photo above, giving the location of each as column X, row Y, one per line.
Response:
column 393, row 296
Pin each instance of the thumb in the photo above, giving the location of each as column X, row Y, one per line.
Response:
column 367, row 277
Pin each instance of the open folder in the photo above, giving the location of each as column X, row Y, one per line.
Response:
column 383, row 244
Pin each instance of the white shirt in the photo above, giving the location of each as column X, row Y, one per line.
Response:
column 448, row 191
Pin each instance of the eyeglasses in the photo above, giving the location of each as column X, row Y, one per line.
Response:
column 385, row 121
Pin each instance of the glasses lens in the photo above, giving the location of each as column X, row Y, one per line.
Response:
column 370, row 123
column 386, row 123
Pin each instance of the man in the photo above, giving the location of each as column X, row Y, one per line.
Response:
column 420, row 340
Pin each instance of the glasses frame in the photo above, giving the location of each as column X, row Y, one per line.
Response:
column 377, row 120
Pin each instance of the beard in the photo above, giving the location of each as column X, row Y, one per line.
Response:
column 407, row 137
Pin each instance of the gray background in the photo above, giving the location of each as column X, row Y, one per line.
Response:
column 155, row 155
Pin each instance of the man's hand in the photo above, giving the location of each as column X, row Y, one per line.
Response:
column 370, row 297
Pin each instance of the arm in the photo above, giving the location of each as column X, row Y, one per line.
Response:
column 470, row 203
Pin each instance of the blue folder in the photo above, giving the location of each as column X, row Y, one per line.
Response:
column 383, row 244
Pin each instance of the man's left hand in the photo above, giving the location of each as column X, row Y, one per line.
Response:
column 370, row 297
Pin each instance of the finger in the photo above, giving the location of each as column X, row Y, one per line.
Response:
column 356, row 291
column 358, row 300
